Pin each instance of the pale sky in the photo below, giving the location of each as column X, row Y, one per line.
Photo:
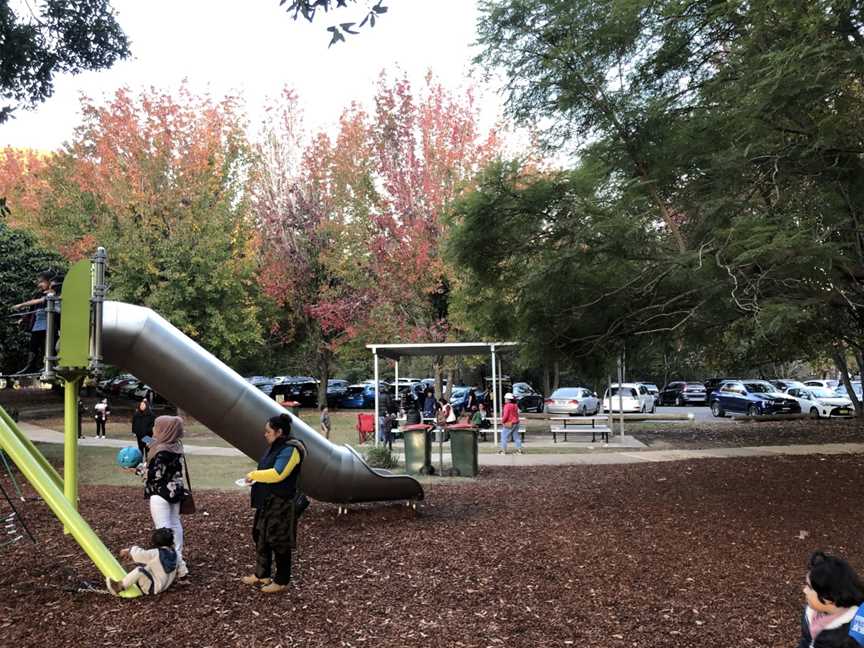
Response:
column 252, row 49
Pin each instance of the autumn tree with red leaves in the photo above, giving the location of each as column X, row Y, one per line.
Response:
column 352, row 228
column 160, row 181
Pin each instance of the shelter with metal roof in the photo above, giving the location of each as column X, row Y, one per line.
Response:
column 396, row 352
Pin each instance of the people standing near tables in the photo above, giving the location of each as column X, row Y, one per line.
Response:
column 510, row 425
column 478, row 418
column 385, row 409
column 430, row 405
column 101, row 412
column 472, row 402
column 143, row 420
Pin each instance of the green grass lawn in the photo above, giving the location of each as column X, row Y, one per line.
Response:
column 99, row 466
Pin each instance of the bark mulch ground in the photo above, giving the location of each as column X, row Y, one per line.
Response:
column 724, row 435
column 699, row 553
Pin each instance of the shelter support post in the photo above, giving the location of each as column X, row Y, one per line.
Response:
column 494, row 397
column 377, row 425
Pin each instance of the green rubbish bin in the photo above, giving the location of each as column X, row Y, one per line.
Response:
column 464, row 450
column 292, row 406
column 418, row 449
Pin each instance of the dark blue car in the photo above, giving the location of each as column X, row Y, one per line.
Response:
column 361, row 396
column 753, row 398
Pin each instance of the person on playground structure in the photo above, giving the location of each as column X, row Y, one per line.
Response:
column 833, row 592
column 156, row 568
column 101, row 411
column 510, row 425
column 36, row 350
column 163, row 486
column 274, row 491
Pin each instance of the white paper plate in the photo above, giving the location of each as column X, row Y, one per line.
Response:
column 242, row 482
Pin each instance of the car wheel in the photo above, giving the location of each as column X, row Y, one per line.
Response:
column 814, row 413
column 679, row 401
column 752, row 411
column 716, row 410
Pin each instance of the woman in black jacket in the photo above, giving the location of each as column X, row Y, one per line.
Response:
column 833, row 592
column 142, row 424
column 274, row 489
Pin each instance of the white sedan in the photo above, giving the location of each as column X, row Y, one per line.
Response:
column 633, row 397
column 821, row 402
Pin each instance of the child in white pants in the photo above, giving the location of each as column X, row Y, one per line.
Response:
column 156, row 568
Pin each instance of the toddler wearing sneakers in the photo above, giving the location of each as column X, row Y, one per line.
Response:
column 156, row 568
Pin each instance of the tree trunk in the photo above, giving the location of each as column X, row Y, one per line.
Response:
column 438, row 374
column 547, row 383
column 840, row 361
column 323, row 375
column 556, row 376
column 449, row 382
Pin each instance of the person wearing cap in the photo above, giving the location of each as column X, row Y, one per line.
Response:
column 510, row 424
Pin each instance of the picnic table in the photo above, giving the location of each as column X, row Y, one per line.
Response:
column 575, row 425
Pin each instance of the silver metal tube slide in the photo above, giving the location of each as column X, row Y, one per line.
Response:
column 142, row 342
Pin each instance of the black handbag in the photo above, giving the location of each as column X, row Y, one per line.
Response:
column 187, row 504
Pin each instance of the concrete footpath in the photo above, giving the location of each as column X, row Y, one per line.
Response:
column 534, row 457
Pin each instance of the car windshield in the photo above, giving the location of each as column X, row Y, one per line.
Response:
column 566, row 392
column 627, row 392
column 760, row 387
column 695, row 386
column 459, row 392
column 822, row 392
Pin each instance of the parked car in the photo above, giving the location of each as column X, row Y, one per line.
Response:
column 683, row 393
column 575, row 401
column 786, row 384
column 827, row 384
column 527, row 399
column 459, row 398
column 821, row 402
column 359, row 396
column 653, row 389
column 299, row 389
column 336, row 389
column 629, row 397
column 713, row 384
column 751, row 397
column 116, row 385
column 856, row 386
column 264, row 383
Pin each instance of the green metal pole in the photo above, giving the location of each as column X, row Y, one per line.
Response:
column 60, row 506
column 31, row 449
column 72, row 388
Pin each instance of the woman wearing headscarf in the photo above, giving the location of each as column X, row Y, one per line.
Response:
column 274, row 487
column 164, row 484
column 143, row 421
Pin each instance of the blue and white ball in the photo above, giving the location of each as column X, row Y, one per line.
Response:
column 129, row 457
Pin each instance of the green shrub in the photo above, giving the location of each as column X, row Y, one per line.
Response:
column 381, row 457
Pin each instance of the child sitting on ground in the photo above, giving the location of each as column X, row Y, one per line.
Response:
column 833, row 592
column 156, row 567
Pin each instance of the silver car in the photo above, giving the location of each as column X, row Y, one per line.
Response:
column 573, row 400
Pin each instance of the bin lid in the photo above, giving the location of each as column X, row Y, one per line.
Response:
column 415, row 426
column 290, row 404
column 461, row 426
